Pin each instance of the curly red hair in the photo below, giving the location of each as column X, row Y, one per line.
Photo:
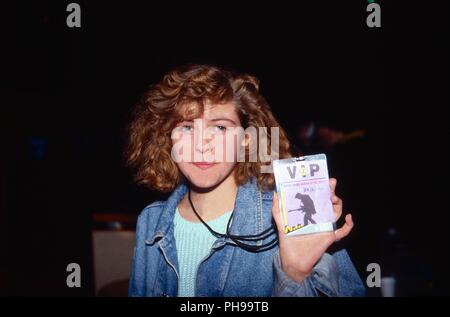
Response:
column 161, row 108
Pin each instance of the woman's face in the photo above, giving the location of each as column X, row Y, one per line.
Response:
column 205, row 149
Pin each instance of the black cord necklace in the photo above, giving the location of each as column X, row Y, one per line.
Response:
column 238, row 239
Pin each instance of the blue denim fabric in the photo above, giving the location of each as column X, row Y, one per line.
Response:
column 229, row 270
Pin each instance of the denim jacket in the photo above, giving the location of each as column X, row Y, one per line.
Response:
column 229, row 270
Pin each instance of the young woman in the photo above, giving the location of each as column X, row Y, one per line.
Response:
column 213, row 236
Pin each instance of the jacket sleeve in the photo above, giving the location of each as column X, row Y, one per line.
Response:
column 136, row 285
column 333, row 275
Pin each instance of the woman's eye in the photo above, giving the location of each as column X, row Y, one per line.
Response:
column 186, row 128
column 221, row 128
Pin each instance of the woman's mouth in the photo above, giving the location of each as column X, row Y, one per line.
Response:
column 204, row 165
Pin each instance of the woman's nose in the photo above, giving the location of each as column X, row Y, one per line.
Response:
column 202, row 139
column 202, row 145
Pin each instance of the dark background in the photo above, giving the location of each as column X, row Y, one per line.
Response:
column 66, row 96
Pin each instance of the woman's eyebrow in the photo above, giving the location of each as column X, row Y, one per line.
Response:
column 223, row 119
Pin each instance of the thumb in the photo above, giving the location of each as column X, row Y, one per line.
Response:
column 276, row 212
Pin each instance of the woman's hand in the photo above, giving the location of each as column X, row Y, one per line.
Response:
column 299, row 254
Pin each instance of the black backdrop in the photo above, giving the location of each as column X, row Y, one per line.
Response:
column 66, row 95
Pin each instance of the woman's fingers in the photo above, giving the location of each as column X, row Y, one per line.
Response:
column 335, row 200
column 333, row 183
column 345, row 229
column 276, row 211
column 337, row 207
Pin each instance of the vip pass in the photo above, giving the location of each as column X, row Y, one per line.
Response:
column 303, row 188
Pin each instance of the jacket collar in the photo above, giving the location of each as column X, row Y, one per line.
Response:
column 248, row 215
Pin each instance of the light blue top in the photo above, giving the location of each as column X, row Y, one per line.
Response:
column 194, row 241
